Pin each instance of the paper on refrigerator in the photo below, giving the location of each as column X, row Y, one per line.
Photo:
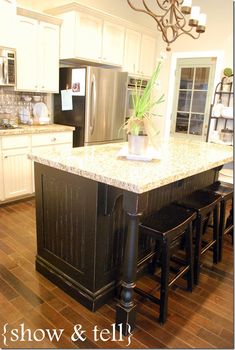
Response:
column 66, row 100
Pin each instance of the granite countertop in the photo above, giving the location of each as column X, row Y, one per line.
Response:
column 35, row 129
column 179, row 159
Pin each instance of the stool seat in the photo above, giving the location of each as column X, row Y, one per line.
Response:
column 202, row 201
column 167, row 220
column 169, row 226
column 225, row 190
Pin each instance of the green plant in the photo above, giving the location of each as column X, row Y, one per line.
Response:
column 143, row 105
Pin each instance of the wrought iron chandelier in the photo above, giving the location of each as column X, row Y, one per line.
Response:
column 172, row 21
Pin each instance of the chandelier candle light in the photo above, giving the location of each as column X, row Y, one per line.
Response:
column 171, row 18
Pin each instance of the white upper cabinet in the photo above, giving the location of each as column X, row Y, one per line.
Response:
column 147, row 55
column 8, row 23
column 27, row 58
column 91, row 35
column 113, row 43
column 88, row 42
column 37, row 55
column 88, row 37
column 132, row 51
column 140, row 51
column 48, row 79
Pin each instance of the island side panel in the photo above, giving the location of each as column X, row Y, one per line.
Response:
column 66, row 211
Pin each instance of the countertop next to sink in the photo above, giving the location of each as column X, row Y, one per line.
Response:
column 36, row 129
column 179, row 159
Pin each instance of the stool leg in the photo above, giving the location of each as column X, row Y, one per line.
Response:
column 164, row 280
column 216, row 234
column 198, row 247
column 221, row 228
column 189, row 256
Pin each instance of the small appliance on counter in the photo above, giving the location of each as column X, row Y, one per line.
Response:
column 40, row 113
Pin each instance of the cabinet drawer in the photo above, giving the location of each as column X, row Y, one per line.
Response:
column 52, row 138
column 15, row 141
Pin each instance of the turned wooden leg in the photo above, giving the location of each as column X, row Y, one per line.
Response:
column 126, row 308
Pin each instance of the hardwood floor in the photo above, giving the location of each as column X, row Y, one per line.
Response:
column 202, row 319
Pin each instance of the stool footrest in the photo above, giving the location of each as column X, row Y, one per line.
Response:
column 228, row 229
column 147, row 295
column 207, row 246
column 178, row 275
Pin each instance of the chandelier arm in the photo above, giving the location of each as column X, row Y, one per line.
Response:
column 162, row 5
column 186, row 33
column 179, row 19
column 149, row 11
column 159, row 24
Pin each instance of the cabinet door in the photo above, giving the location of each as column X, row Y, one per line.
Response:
column 17, row 174
column 88, row 37
column 147, row 55
column 27, row 58
column 1, row 179
column 113, row 43
column 8, row 23
column 132, row 51
column 48, row 57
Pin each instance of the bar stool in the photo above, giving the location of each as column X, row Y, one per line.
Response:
column 204, row 203
column 168, row 226
column 225, row 190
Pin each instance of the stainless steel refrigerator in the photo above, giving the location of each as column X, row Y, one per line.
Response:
column 93, row 100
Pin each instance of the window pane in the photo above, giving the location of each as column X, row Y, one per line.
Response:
column 186, row 79
column 201, row 78
column 182, row 122
column 196, row 124
column 199, row 101
column 184, row 101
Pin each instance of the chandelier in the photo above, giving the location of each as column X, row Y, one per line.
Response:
column 172, row 21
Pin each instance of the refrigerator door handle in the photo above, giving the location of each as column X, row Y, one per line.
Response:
column 93, row 104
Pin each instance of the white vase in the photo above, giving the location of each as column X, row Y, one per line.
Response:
column 137, row 144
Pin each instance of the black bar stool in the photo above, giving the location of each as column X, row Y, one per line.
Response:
column 225, row 190
column 204, row 203
column 168, row 226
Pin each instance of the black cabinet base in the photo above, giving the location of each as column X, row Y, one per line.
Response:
column 92, row 301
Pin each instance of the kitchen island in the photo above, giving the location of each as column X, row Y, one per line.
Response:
column 88, row 204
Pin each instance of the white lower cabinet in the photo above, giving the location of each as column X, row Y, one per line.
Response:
column 16, row 170
column 16, row 167
column 1, row 179
column 17, row 174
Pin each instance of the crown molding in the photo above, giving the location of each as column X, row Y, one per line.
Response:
column 38, row 15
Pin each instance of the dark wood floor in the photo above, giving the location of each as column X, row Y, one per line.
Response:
column 203, row 319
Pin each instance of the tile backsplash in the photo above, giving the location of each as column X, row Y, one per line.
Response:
column 13, row 104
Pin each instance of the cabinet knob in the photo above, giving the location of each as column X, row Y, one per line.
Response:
column 53, row 139
column 36, row 86
column 5, row 157
column 43, row 87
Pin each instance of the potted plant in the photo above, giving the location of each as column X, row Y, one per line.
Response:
column 140, row 126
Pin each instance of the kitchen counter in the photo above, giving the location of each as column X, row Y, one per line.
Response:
column 178, row 159
column 36, row 129
column 88, row 205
